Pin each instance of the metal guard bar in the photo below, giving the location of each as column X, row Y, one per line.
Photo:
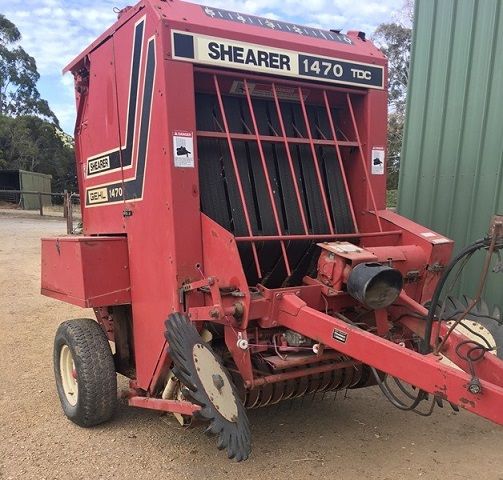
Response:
column 335, row 236
column 272, row 138
column 308, row 139
column 423, row 371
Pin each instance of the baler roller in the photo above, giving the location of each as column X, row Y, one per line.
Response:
column 337, row 378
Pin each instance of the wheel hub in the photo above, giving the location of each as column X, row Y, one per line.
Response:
column 484, row 323
column 68, row 375
column 211, row 375
column 477, row 330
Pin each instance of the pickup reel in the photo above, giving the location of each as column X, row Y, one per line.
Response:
column 207, row 383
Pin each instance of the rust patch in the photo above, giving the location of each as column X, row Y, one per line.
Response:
column 441, row 394
column 465, row 401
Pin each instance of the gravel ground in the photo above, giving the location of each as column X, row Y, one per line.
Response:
column 359, row 436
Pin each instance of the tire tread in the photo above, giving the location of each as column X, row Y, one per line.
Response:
column 97, row 378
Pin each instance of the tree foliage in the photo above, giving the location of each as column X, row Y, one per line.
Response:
column 30, row 143
column 395, row 43
column 396, row 122
column 30, row 137
column 18, row 77
column 394, row 39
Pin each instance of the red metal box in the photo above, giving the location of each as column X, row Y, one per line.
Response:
column 86, row 271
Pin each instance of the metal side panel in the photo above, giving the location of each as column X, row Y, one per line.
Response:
column 86, row 271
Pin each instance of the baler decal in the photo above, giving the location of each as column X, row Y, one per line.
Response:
column 106, row 162
column 276, row 25
column 131, row 189
column 227, row 53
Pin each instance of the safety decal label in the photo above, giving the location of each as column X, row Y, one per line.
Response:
column 276, row 25
column 339, row 335
column 183, row 149
column 259, row 58
column 377, row 161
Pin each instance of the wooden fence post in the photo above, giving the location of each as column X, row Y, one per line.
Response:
column 69, row 213
column 65, row 203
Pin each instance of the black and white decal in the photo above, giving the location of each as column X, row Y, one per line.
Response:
column 131, row 189
column 110, row 161
column 259, row 58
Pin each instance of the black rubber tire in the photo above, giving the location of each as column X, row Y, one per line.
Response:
column 95, row 370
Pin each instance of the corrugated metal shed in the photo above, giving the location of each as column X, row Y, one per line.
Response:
column 452, row 162
column 26, row 181
column 35, row 182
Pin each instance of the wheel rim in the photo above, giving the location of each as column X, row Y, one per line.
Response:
column 68, row 375
column 215, row 382
column 478, row 328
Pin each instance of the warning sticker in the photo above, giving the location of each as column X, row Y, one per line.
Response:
column 339, row 335
column 377, row 161
column 183, row 149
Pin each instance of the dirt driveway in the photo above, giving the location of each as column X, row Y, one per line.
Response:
column 357, row 437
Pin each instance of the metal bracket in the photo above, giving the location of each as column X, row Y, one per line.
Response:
column 412, row 276
column 435, row 268
column 496, row 227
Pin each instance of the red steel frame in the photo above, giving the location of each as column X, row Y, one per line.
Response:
column 315, row 160
column 289, row 157
column 271, row 138
column 236, row 172
column 266, row 173
column 425, row 372
column 335, row 236
column 171, row 244
column 362, row 157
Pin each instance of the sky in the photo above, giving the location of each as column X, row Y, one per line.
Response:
column 56, row 31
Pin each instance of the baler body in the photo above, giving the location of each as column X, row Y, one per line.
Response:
column 242, row 162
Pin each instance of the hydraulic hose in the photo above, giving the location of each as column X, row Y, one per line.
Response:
column 482, row 282
column 425, row 345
